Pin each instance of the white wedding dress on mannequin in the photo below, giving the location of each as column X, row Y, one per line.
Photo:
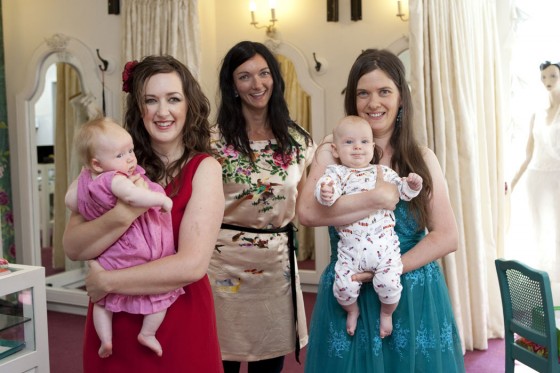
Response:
column 535, row 229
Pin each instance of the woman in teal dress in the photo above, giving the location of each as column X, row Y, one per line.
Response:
column 425, row 336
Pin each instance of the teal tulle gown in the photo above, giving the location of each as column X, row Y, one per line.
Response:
column 424, row 338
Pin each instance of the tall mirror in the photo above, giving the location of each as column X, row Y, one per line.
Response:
column 58, row 112
column 299, row 104
column 56, row 101
column 306, row 102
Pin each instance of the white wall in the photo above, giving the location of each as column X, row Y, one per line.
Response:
column 27, row 23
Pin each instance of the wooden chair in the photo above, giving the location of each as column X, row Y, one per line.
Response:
column 529, row 313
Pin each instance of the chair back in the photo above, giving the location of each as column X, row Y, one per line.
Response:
column 528, row 312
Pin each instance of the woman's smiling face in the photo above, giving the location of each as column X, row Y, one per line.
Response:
column 253, row 83
column 165, row 108
column 378, row 101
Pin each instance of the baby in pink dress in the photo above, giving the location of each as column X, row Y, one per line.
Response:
column 107, row 153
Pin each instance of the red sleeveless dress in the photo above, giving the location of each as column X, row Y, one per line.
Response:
column 188, row 334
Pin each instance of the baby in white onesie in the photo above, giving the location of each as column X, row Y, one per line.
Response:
column 369, row 244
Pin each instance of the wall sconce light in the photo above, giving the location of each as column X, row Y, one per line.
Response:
column 270, row 30
column 400, row 13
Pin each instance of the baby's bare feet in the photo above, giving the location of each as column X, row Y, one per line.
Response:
column 151, row 342
column 386, row 324
column 352, row 321
column 105, row 350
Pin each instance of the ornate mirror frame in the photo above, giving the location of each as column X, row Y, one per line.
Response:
column 57, row 48
column 400, row 48
column 309, row 278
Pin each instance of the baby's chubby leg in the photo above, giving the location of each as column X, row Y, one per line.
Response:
column 353, row 312
column 387, row 284
column 386, row 319
column 103, row 322
column 147, row 336
column 346, row 293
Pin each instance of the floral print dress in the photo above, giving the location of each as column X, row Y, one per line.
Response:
column 250, row 272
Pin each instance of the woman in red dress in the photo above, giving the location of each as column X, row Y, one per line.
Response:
column 167, row 116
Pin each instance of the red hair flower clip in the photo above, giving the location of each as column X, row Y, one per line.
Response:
column 127, row 75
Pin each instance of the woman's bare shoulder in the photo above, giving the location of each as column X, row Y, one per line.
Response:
column 323, row 153
column 428, row 155
column 327, row 140
column 210, row 164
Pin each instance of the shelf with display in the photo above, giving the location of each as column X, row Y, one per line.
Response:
column 23, row 320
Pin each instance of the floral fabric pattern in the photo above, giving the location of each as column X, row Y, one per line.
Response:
column 6, row 214
column 250, row 272
column 266, row 159
column 8, row 249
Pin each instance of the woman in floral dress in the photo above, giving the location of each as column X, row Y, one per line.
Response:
column 264, row 154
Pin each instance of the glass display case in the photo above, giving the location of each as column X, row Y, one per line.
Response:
column 23, row 320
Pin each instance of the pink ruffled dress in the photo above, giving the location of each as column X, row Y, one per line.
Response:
column 150, row 237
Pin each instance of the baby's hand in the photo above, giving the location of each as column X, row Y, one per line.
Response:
column 139, row 181
column 414, row 181
column 327, row 190
column 167, row 204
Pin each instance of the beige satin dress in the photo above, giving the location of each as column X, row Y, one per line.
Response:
column 250, row 272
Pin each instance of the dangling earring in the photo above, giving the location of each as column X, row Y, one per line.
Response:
column 236, row 94
column 399, row 118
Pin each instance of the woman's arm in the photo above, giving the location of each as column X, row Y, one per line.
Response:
column 348, row 208
column 528, row 156
column 84, row 240
column 197, row 238
column 442, row 237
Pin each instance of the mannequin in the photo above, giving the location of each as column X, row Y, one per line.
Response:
column 540, row 176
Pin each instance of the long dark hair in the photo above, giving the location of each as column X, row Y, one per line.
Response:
column 196, row 132
column 407, row 154
column 231, row 121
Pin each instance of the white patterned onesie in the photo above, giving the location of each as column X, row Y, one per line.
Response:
column 369, row 244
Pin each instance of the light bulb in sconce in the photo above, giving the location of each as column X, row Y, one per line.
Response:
column 400, row 13
column 272, row 4
column 270, row 30
column 252, row 8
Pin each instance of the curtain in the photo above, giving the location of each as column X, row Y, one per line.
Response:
column 299, row 104
column 162, row 27
column 459, row 98
column 7, row 248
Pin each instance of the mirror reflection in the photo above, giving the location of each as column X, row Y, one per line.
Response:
column 404, row 56
column 60, row 108
column 299, row 104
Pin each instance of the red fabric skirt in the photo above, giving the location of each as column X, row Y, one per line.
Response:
column 187, row 335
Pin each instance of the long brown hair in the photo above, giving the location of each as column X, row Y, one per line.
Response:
column 407, row 154
column 196, row 132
